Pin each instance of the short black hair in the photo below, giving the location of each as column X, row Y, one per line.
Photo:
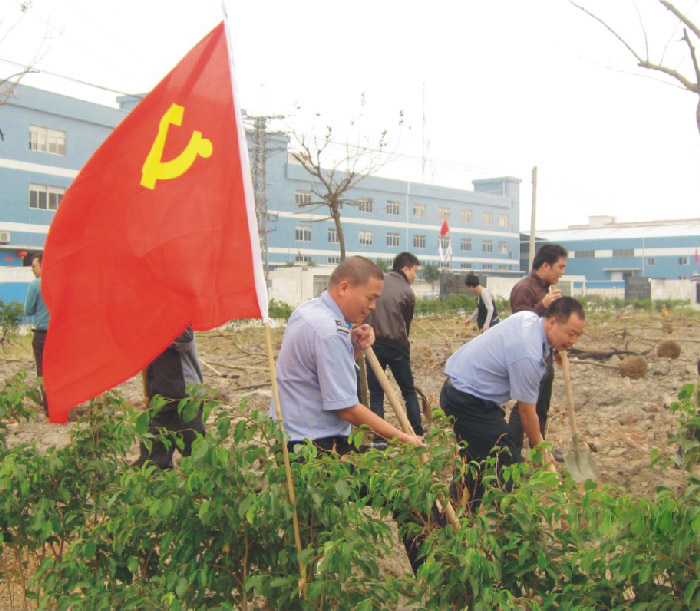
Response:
column 38, row 255
column 357, row 271
column 472, row 280
column 549, row 253
column 563, row 308
column 404, row 259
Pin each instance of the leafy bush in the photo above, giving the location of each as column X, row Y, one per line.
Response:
column 11, row 315
column 217, row 533
column 279, row 309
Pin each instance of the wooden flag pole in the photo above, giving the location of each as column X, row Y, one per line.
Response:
column 403, row 420
column 287, row 464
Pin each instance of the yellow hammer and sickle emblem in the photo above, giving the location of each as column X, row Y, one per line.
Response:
column 155, row 169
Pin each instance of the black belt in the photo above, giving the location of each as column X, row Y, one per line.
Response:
column 38, row 330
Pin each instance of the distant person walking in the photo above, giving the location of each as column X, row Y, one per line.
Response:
column 35, row 307
column 485, row 315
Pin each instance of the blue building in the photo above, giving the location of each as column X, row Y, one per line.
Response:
column 607, row 252
column 48, row 137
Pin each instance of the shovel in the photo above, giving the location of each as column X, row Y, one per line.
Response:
column 579, row 461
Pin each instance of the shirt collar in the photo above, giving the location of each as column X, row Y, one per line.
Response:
column 543, row 283
column 546, row 348
column 330, row 303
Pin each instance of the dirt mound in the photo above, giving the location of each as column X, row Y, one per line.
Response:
column 667, row 327
column 668, row 348
column 634, row 367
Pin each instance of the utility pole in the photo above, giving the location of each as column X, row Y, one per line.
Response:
column 532, row 221
column 260, row 153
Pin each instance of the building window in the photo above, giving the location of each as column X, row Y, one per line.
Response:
column 43, row 197
column 366, row 238
column 47, row 140
column 488, row 218
column 465, row 244
column 302, row 233
column 585, row 254
column 419, row 211
column 503, row 248
column 393, row 208
column 466, row 216
column 650, row 261
column 418, row 241
column 444, row 243
column 443, row 213
column 333, row 235
column 623, row 252
column 503, row 220
column 392, row 239
column 303, row 258
column 465, row 265
column 488, row 266
column 504, row 267
column 488, row 246
column 302, row 198
column 333, row 260
column 682, row 260
column 365, row 204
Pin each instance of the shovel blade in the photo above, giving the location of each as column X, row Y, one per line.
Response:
column 580, row 464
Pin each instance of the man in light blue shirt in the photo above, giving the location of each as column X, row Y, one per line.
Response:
column 34, row 307
column 317, row 373
column 316, row 369
column 506, row 363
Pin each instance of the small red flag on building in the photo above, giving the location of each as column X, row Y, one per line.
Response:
column 444, row 229
column 696, row 255
column 158, row 231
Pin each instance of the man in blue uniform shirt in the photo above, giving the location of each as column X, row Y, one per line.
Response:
column 317, row 373
column 316, row 370
column 506, row 363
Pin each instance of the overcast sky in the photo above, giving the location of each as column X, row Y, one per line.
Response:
column 504, row 85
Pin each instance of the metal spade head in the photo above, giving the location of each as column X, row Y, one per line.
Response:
column 579, row 462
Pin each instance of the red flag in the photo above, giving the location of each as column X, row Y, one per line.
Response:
column 696, row 254
column 158, row 231
column 444, row 229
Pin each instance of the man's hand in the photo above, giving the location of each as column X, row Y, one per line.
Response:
column 362, row 337
column 553, row 295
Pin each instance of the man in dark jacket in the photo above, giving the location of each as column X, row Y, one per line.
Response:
column 391, row 321
column 535, row 293
column 168, row 376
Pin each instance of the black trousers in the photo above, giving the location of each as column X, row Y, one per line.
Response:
column 342, row 446
column 169, row 419
column 482, row 425
column 541, row 408
column 38, row 345
column 400, row 365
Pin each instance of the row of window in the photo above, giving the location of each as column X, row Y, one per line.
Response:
column 420, row 211
column 47, row 140
column 624, row 252
column 44, row 197
column 334, row 260
column 302, row 233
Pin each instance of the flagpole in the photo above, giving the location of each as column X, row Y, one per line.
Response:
column 287, row 464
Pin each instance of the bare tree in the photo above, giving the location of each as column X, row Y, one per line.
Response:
column 691, row 37
column 333, row 174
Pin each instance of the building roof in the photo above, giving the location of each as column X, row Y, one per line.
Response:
column 651, row 229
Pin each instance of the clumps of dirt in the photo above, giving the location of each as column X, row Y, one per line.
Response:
column 668, row 349
column 667, row 327
column 634, row 367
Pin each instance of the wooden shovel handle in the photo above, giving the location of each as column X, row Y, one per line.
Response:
column 569, row 394
column 403, row 420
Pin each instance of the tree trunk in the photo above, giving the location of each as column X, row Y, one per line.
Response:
column 335, row 213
